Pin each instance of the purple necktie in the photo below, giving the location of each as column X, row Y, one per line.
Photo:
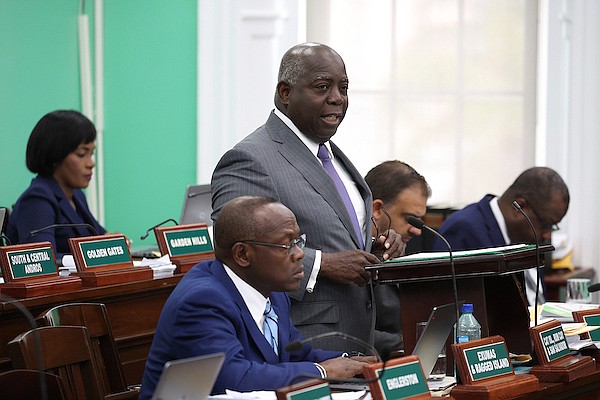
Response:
column 323, row 155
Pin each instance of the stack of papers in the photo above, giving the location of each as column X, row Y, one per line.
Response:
column 562, row 311
column 161, row 267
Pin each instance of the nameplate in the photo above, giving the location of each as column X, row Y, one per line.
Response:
column 29, row 270
column 186, row 245
column 549, row 341
column 556, row 364
column 310, row 390
column 28, row 261
column 400, row 378
column 182, row 240
column 100, row 251
column 592, row 318
column 482, row 359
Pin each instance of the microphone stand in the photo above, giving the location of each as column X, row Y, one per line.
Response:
column 418, row 223
column 145, row 235
column 84, row 225
column 518, row 207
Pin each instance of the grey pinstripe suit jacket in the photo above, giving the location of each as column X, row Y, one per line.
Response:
column 273, row 161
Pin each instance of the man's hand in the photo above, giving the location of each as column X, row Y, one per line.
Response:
column 344, row 367
column 390, row 247
column 347, row 267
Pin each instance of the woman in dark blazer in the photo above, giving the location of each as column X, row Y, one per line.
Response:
column 60, row 151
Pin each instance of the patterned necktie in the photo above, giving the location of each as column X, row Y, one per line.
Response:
column 323, row 155
column 270, row 327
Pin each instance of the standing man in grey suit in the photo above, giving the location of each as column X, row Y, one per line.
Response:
column 290, row 158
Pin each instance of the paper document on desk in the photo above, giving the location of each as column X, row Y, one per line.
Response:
column 458, row 254
column 270, row 395
column 563, row 311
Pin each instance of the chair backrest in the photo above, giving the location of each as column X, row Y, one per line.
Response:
column 104, row 349
column 61, row 350
column 26, row 384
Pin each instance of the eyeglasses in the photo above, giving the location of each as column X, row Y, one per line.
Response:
column 544, row 225
column 387, row 233
column 300, row 242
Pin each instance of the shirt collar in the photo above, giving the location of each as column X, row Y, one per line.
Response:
column 499, row 218
column 254, row 300
column 312, row 146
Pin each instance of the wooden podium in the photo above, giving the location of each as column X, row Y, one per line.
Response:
column 487, row 278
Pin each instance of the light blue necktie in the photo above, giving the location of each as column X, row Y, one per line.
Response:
column 323, row 155
column 270, row 327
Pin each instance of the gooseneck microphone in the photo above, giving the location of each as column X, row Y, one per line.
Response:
column 418, row 223
column 594, row 288
column 518, row 207
column 6, row 240
column 145, row 235
column 297, row 345
column 82, row 225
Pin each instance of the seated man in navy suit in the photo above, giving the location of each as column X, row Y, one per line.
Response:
column 220, row 306
column 493, row 221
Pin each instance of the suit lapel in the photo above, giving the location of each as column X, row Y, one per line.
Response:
column 491, row 224
column 254, row 333
column 299, row 156
column 68, row 211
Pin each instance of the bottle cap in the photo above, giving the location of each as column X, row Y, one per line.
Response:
column 467, row 308
column 462, row 339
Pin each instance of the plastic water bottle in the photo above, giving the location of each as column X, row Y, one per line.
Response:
column 468, row 327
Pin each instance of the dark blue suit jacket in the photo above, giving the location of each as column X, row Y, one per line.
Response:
column 43, row 204
column 206, row 314
column 473, row 227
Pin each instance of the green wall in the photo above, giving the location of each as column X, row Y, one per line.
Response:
column 150, row 99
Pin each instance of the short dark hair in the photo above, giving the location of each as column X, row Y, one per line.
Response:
column 390, row 178
column 537, row 185
column 237, row 222
column 55, row 136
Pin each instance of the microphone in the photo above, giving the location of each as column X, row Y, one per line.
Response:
column 6, row 240
column 518, row 207
column 594, row 288
column 145, row 235
column 418, row 223
column 84, row 225
column 298, row 345
column 38, row 343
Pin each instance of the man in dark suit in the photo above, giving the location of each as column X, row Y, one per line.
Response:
column 219, row 306
column 493, row 221
column 283, row 159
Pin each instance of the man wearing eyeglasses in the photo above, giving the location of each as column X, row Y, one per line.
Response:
column 493, row 221
column 399, row 191
column 292, row 159
column 234, row 305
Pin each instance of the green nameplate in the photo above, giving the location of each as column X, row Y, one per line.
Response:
column 488, row 361
column 188, row 241
column 105, row 252
column 402, row 380
column 29, row 263
column 554, row 343
column 315, row 392
column 593, row 320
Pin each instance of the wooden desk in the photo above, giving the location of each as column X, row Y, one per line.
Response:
column 133, row 310
column 585, row 388
column 556, row 281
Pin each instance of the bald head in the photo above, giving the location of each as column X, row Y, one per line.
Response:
column 238, row 221
column 538, row 185
column 293, row 63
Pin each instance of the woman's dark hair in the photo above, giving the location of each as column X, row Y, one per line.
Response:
column 55, row 136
